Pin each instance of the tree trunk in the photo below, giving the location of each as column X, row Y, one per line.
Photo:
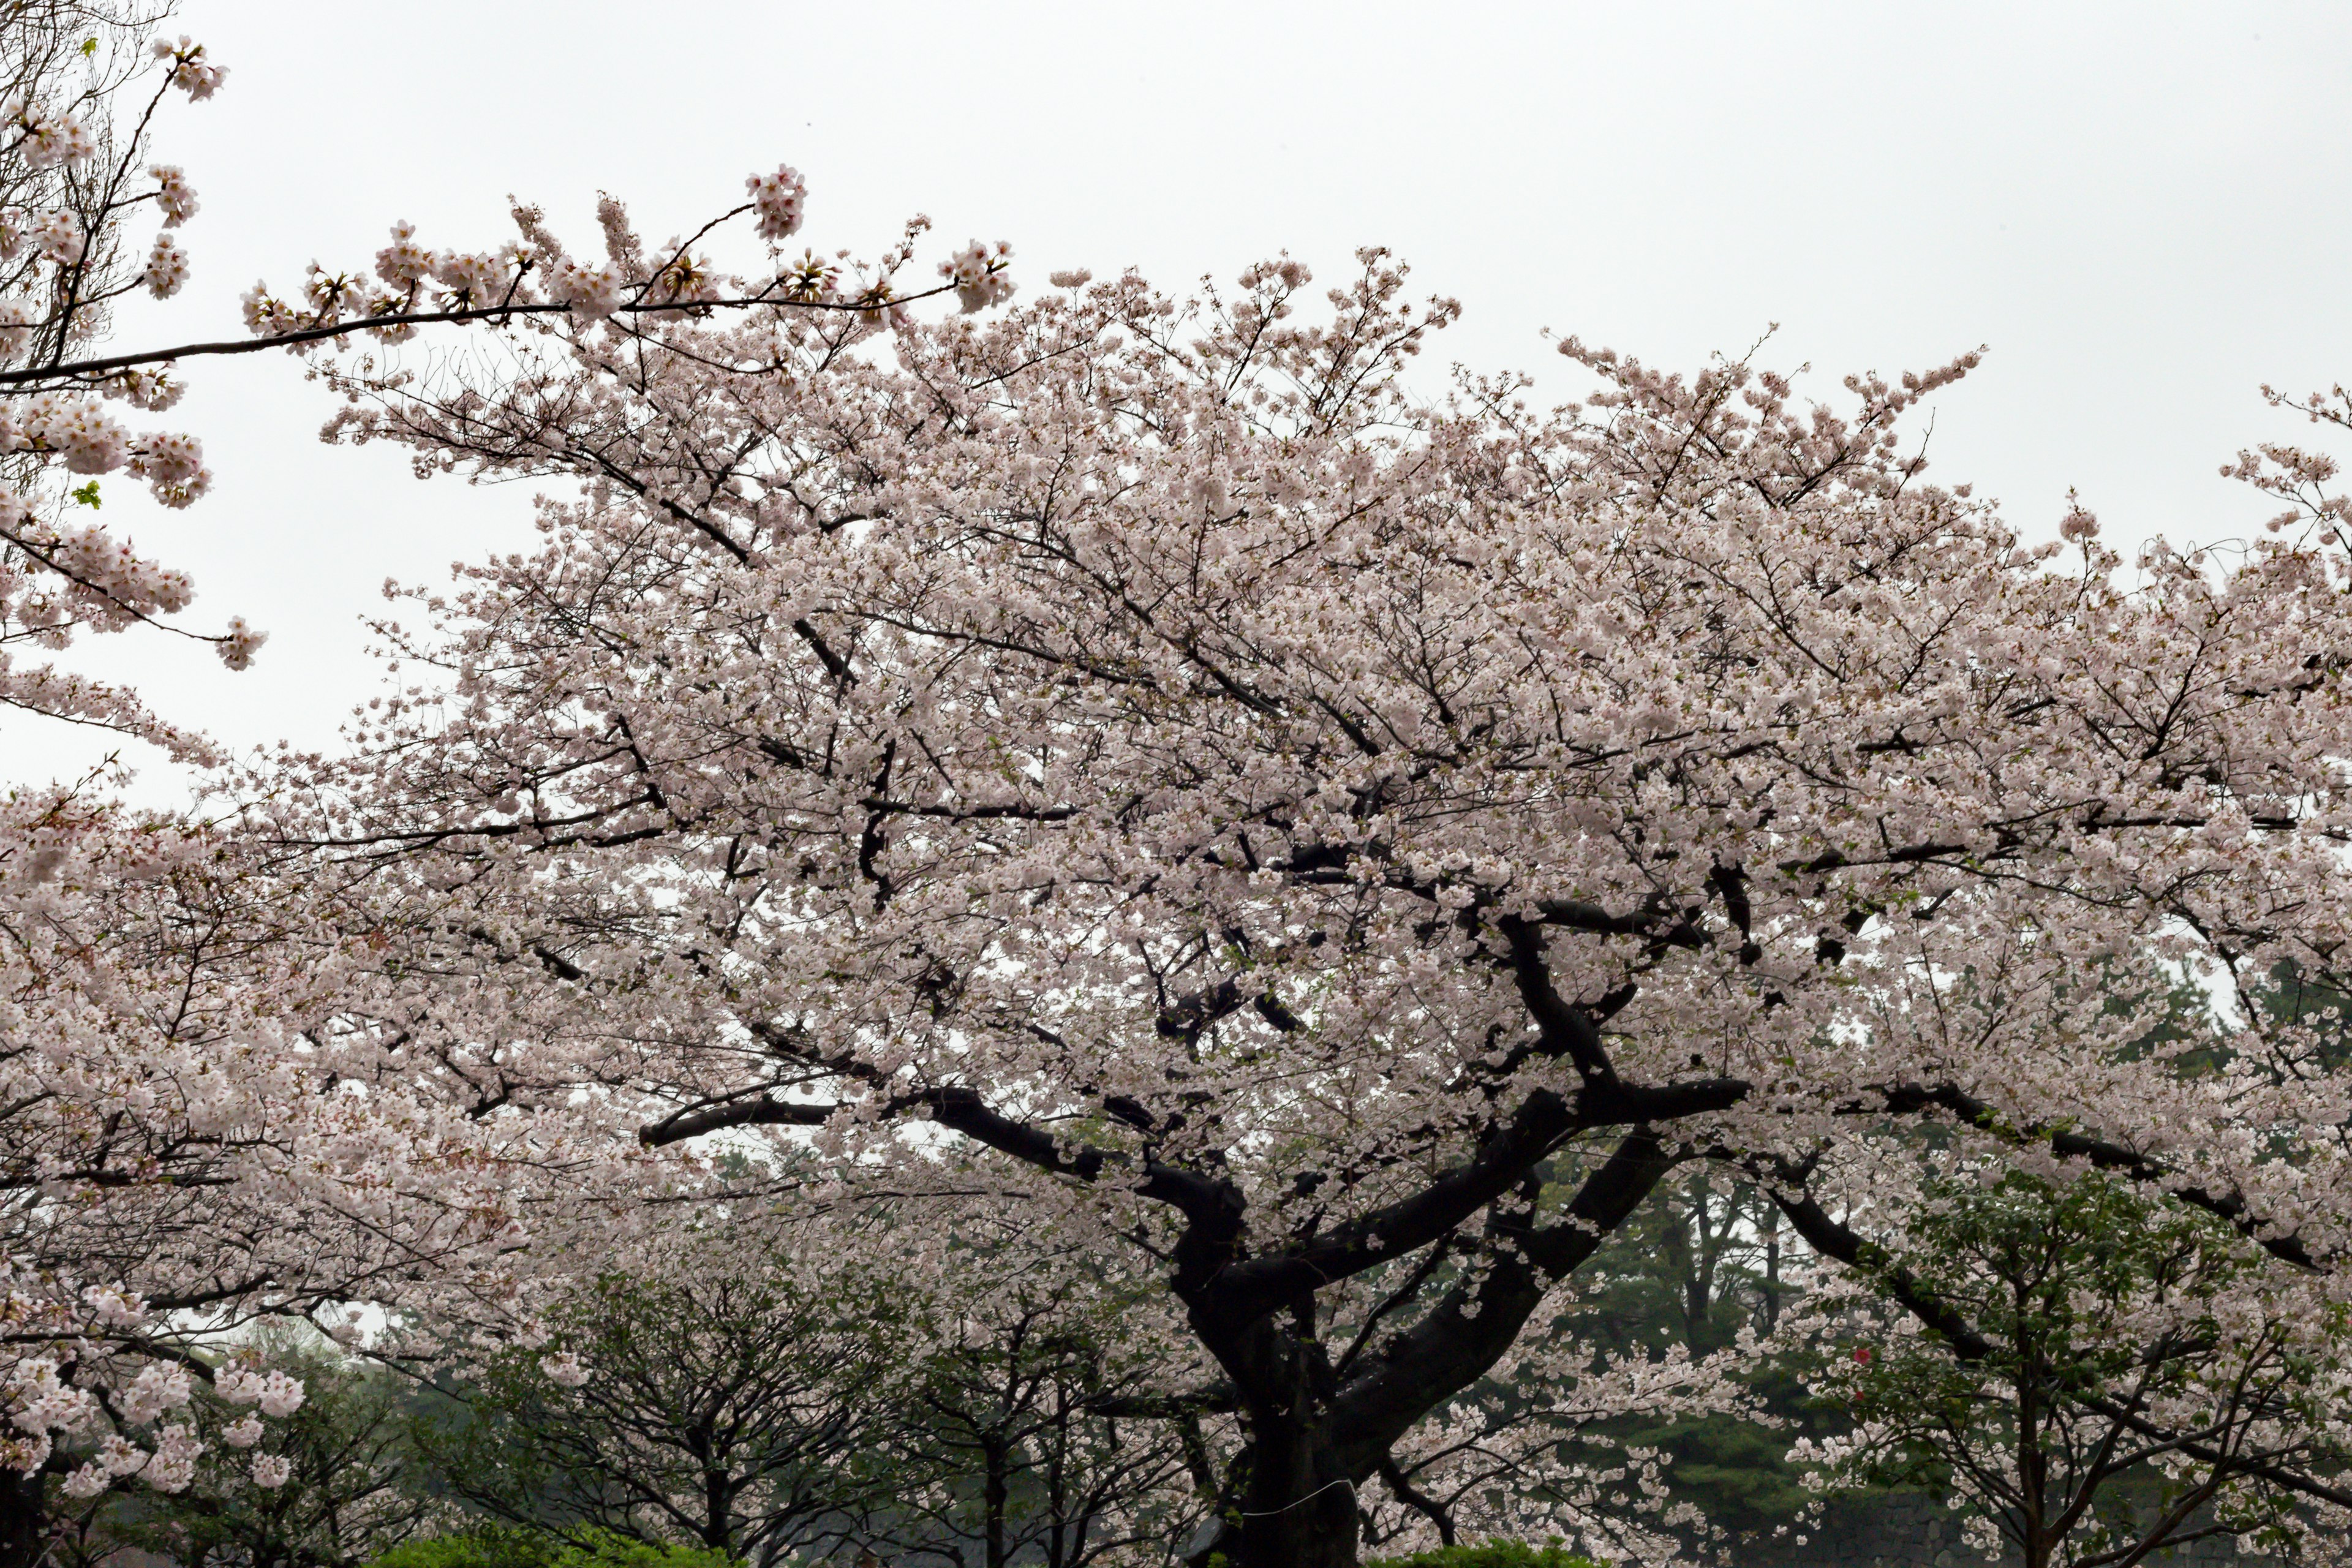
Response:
column 997, row 1489
column 1297, row 1507
column 1312, row 1433
column 21, row 1518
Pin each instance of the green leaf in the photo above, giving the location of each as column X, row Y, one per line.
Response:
column 87, row 495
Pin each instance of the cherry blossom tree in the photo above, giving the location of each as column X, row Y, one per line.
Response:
column 1345, row 848
column 190, row 1137
column 1352, row 846
column 182, row 1157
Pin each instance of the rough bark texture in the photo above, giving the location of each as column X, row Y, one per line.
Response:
column 20, row 1519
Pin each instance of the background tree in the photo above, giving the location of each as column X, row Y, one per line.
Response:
column 1026, row 1432
column 721, row 1386
column 2083, row 1369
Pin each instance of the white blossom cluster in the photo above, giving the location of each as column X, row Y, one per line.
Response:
column 50, row 138
column 191, row 71
column 979, row 274
column 779, row 200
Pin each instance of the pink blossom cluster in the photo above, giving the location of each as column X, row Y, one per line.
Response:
column 674, row 282
column 39, row 1403
column 76, row 429
column 592, row 292
column 239, row 643
column 278, row 1394
column 74, row 426
column 778, row 199
column 97, row 562
column 50, row 138
column 151, row 388
column 980, row 274
column 168, row 1467
column 173, row 194
column 55, row 236
column 190, row 70
column 167, row 268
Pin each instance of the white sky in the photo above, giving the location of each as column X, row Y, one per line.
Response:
column 2140, row 207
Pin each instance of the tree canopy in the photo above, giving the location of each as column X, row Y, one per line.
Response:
column 1335, row 847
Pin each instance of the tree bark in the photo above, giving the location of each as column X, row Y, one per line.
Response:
column 996, row 1491
column 21, row 1518
column 1298, row 1508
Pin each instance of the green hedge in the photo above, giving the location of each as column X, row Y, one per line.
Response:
column 487, row 1548
column 503, row 1547
column 1493, row 1554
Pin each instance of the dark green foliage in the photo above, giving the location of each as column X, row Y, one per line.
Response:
column 736, row 1402
column 602, row 1549
column 1693, row 1268
column 1734, row 1471
column 1491, row 1554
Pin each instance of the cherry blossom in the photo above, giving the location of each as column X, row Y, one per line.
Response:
column 778, row 199
column 167, row 268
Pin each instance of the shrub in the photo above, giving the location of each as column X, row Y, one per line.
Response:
column 592, row 1548
column 500, row 1547
column 1491, row 1554
column 491, row 1547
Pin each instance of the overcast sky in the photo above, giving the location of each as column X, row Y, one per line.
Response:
column 2139, row 208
